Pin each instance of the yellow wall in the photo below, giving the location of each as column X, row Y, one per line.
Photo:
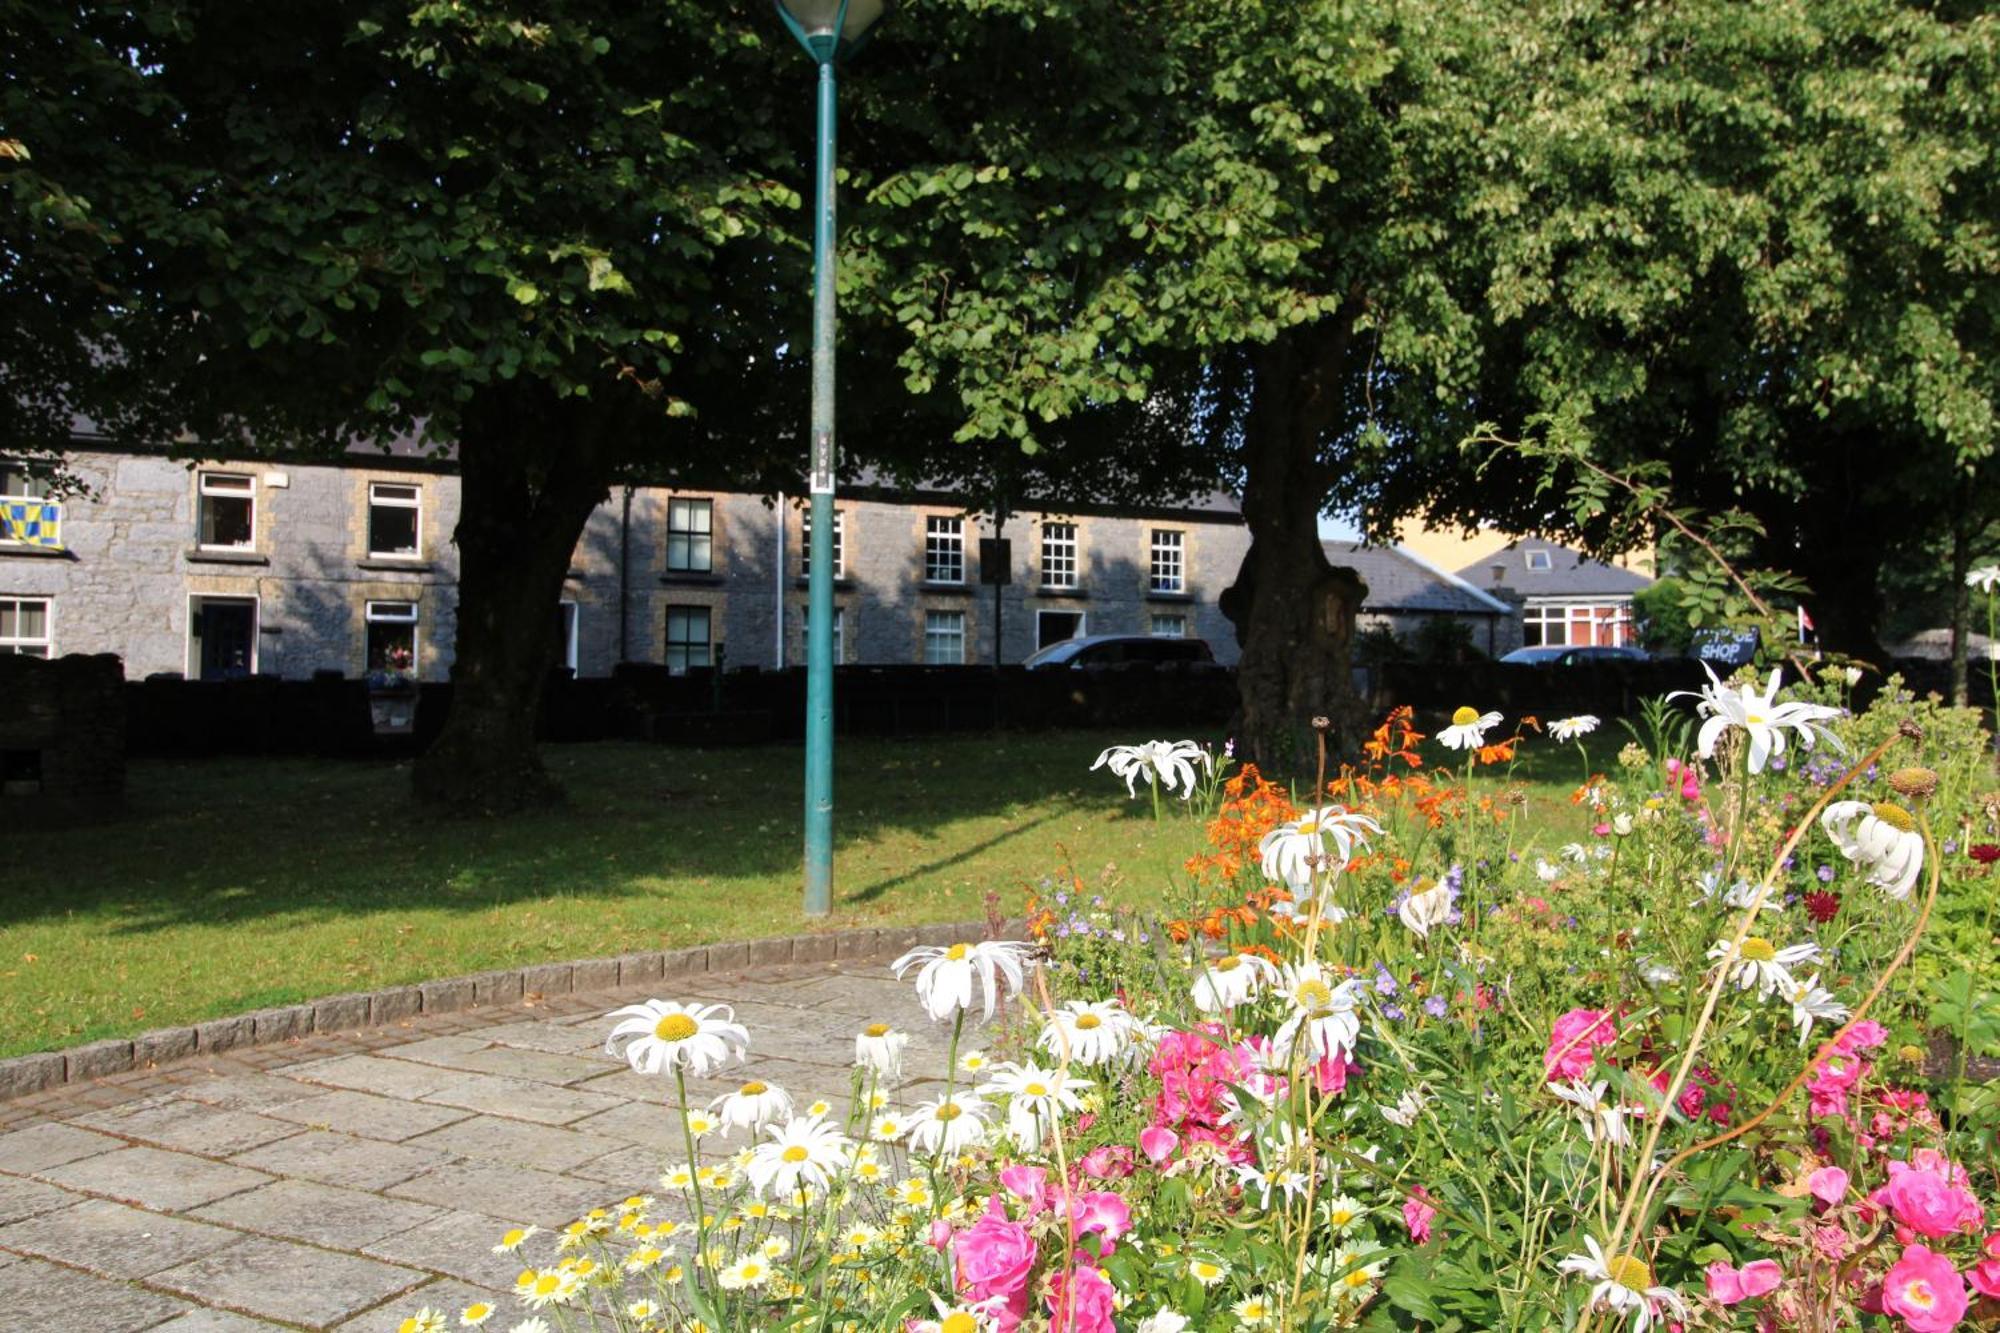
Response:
column 1452, row 549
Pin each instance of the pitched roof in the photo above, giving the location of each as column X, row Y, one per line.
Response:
column 1570, row 573
column 1400, row 580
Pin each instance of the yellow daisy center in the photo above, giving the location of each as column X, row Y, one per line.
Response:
column 949, row 1111
column 1308, row 827
column 957, row 952
column 1036, row 1090
column 958, row 1322
column 1340, row 1217
column 796, row 1154
column 1894, row 815
column 1630, row 1272
column 875, row 1030
column 1085, row 1022
column 547, row 1283
column 1358, row 1278
column 675, row 1027
column 1229, row 964
column 1313, row 995
column 1465, row 717
column 754, row 1089
column 1758, row 949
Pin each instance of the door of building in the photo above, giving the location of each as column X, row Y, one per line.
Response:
column 225, row 637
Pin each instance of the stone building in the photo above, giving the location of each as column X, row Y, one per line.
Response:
column 1405, row 591
column 232, row 568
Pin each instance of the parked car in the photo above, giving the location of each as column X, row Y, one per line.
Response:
column 1121, row 650
column 1573, row 655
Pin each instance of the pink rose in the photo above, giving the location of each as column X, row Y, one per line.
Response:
column 1029, row 1184
column 1828, row 1185
column 1110, row 1161
column 1080, row 1301
column 1100, row 1211
column 1575, row 1035
column 1925, row 1290
column 940, row 1233
column 1730, row 1285
column 1985, row 1277
column 1158, row 1143
column 994, row 1257
column 1863, row 1036
column 1330, row 1075
column 1417, row 1215
column 1927, row 1203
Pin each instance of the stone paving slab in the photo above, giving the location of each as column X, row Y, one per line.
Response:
column 348, row 1180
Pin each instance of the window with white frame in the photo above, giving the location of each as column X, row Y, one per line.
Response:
column 688, row 641
column 1168, row 566
column 1170, row 627
column 228, row 512
column 27, row 627
column 566, row 635
column 17, row 483
column 839, row 543
column 1539, row 560
column 392, row 637
column 839, row 632
column 944, row 551
column 944, row 638
column 690, row 536
column 395, row 521
column 1577, row 625
column 1058, row 555
column 29, row 515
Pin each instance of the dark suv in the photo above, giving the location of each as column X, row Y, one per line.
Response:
column 1122, row 650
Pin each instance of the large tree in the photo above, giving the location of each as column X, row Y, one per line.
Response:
column 540, row 237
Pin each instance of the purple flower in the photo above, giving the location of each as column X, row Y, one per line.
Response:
column 1825, row 874
column 1394, row 1013
column 1435, row 1006
column 1384, row 983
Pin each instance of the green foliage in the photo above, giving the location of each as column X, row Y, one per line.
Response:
column 1660, row 618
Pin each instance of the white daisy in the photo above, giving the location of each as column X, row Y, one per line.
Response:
column 1602, row 1120
column 1163, row 1320
column 1760, row 964
column 1255, row 1311
column 1426, row 908
column 1624, row 1285
column 946, row 981
column 1810, row 1004
column 1036, row 1099
column 889, row 1127
column 1343, row 1213
column 1407, row 1108
column 947, row 1125
column 1881, row 839
column 1985, row 578
column 1570, row 728
column 878, row 1048
column 1170, row 764
column 1468, row 729
column 1088, row 1032
column 1323, row 1014
column 1293, row 854
column 1759, row 714
column 977, row 1317
column 1231, row 980
column 750, row 1271
column 1262, row 1185
column 660, row 1036
column 752, row 1106
column 803, row 1153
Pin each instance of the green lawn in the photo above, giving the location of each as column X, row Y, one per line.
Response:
column 237, row 884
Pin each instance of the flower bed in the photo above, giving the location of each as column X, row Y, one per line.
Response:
column 1389, row 1060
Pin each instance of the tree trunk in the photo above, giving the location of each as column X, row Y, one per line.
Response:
column 529, row 482
column 1293, row 611
column 1836, row 551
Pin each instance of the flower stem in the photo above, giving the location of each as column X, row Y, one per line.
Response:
column 694, row 1178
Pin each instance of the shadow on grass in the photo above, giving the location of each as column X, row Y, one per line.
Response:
column 240, row 839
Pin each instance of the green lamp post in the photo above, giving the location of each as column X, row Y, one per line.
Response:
column 828, row 30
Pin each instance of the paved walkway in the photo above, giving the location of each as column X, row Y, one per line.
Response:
column 348, row 1181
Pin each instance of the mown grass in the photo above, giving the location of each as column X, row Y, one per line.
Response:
column 237, row 884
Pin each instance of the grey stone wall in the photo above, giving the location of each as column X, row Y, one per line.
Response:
column 125, row 581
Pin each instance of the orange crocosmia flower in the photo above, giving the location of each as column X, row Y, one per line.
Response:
column 1178, row 931
column 1501, row 752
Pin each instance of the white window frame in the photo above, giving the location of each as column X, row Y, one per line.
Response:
column 944, row 547
column 189, row 671
column 689, row 504
column 839, row 543
column 1153, row 628
column 572, row 617
column 203, row 489
column 414, row 502
column 13, row 644
column 935, row 635
column 1082, row 625
column 1059, row 555
column 1166, row 547
column 370, row 615
column 666, row 642
column 1539, row 559
column 839, row 632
